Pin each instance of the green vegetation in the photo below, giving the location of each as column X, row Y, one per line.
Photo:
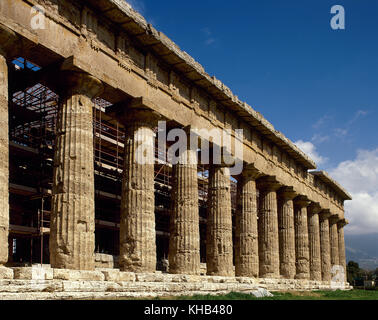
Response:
column 314, row 295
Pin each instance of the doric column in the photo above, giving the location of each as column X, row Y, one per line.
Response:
column 286, row 232
column 325, row 245
column 72, row 237
column 268, row 228
column 184, row 242
column 137, row 225
column 340, row 231
column 7, row 40
column 314, row 241
column 301, row 238
column 246, row 233
column 334, row 240
column 219, row 254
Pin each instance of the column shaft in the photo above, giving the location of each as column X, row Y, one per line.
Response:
column 286, row 231
column 219, row 254
column 137, row 226
column 184, row 244
column 246, row 233
column 325, row 246
column 72, row 238
column 301, row 240
column 268, row 231
column 334, row 242
column 314, row 243
column 341, row 241
column 4, row 162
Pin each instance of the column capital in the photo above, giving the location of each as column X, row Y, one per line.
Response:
column 138, row 111
column 9, row 41
column 268, row 183
column 324, row 214
column 334, row 218
column 251, row 171
column 287, row 193
column 77, row 82
column 314, row 208
column 302, row 201
column 342, row 223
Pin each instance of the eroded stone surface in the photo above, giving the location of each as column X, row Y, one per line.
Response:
column 184, row 242
column 334, row 241
column 137, row 226
column 246, row 229
column 219, row 246
column 301, row 238
column 72, row 238
column 269, row 265
column 286, row 231
column 6, row 273
column 4, row 161
column 314, row 242
column 325, row 245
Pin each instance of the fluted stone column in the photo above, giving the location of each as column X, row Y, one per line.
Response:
column 246, row 231
column 219, row 246
column 4, row 161
column 334, row 240
column 7, row 41
column 325, row 245
column 184, row 242
column 72, row 237
column 137, row 225
column 340, row 231
column 301, row 238
column 268, row 228
column 314, row 241
column 286, row 232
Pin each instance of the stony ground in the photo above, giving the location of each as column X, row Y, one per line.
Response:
column 299, row 295
column 292, row 295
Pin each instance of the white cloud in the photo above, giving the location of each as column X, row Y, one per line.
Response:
column 360, row 178
column 209, row 36
column 319, row 138
column 310, row 149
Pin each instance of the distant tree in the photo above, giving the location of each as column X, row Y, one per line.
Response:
column 353, row 271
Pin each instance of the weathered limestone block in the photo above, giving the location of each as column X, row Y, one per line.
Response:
column 78, row 275
column 105, row 261
column 334, row 241
column 184, row 242
column 151, row 277
column 6, row 273
column 117, row 276
column 286, row 231
column 325, row 245
column 269, row 263
column 72, row 241
column 8, row 40
column 314, row 242
column 33, row 273
column 340, row 230
column 219, row 246
column 301, row 238
column 137, row 226
column 246, row 231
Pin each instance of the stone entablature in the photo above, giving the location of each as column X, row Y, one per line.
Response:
column 139, row 59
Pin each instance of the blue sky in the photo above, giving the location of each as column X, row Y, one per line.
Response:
column 317, row 85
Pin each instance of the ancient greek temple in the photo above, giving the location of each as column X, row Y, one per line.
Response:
column 82, row 85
